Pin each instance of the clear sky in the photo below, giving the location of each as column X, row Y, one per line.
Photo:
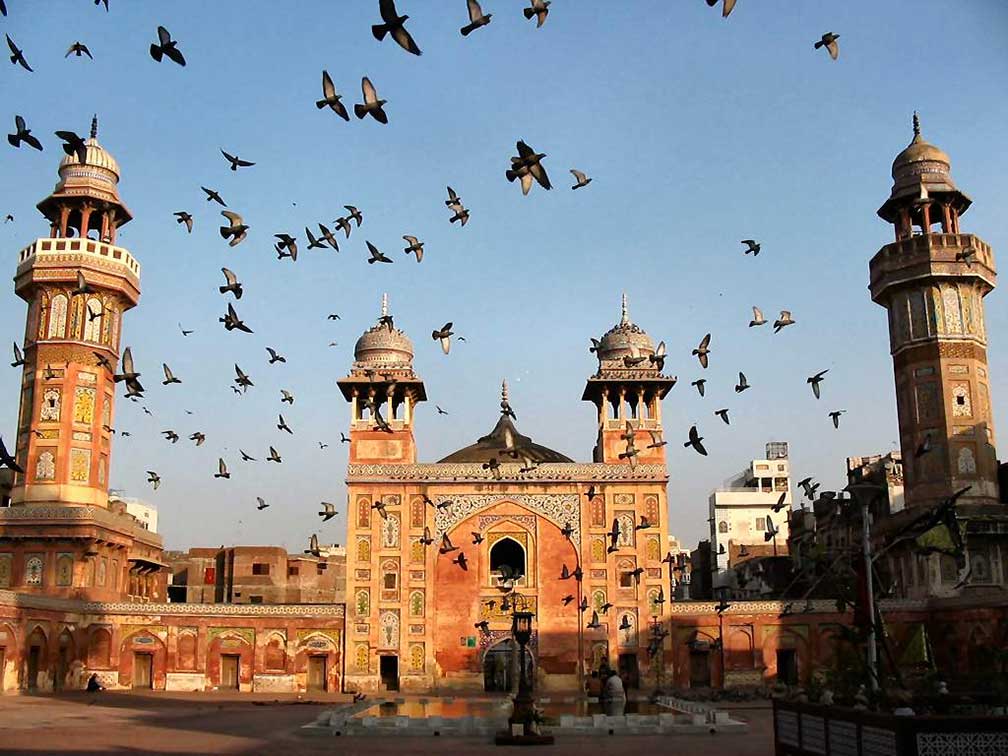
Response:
column 698, row 132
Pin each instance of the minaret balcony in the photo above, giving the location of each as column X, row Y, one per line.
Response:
column 63, row 252
column 927, row 256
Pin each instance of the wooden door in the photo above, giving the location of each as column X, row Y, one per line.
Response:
column 699, row 669
column 229, row 671
column 317, row 673
column 143, row 670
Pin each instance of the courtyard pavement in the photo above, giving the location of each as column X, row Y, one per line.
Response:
column 228, row 723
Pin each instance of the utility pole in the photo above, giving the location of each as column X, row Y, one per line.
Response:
column 870, row 594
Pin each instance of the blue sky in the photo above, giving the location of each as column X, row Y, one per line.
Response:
column 697, row 131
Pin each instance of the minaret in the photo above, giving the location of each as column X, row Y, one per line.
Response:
column 932, row 280
column 382, row 385
column 72, row 333
column 628, row 386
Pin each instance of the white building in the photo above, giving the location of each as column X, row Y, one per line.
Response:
column 146, row 514
column 740, row 509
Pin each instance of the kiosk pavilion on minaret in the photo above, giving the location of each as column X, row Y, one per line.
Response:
column 439, row 554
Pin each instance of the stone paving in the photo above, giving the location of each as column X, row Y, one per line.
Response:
column 211, row 723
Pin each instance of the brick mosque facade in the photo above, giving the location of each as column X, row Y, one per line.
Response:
column 84, row 589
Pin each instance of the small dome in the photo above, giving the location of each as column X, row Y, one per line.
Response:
column 97, row 157
column 921, row 162
column 383, row 345
column 625, row 339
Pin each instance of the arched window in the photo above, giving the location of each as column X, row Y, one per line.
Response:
column 57, row 317
column 33, row 571
column 507, row 552
column 93, row 320
column 100, row 649
column 187, row 651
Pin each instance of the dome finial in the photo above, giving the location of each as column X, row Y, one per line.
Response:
column 625, row 318
column 94, row 126
column 504, row 392
column 916, row 126
column 384, row 305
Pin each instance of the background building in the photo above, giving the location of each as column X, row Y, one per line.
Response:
column 741, row 509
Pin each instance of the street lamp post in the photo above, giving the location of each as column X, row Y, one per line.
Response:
column 721, row 608
column 522, row 728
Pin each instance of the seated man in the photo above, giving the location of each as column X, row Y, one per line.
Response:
column 93, row 686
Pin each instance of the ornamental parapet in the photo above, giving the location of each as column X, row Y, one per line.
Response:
column 51, row 254
column 549, row 472
column 52, row 514
column 31, row 601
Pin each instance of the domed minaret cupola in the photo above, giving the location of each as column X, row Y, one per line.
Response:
column 932, row 280
column 73, row 333
column 628, row 386
column 382, row 390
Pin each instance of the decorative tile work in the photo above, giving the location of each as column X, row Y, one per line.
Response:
column 84, row 404
column 558, row 508
column 50, row 409
column 45, row 467
column 465, row 471
column 80, row 465
column 486, row 521
column 388, row 629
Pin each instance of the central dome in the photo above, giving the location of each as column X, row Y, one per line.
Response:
column 505, row 444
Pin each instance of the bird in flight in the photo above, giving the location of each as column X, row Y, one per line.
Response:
column 231, row 320
column 757, row 317
column 236, row 162
column 371, row 104
column 835, row 416
column 242, row 379
column 751, row 246
column 376, row 254
column 695, row 440
column 274, row 456
column 245, row 456
column 222, row 471
column 170, row 435
column 327, row 237
column 328, row 511
column 742, row 384
column 415, row 247
column 198, row 438
column 18, row 356
column 394, row 25
column 699, row 383
column 261, row 503
column 723, row 414
column 815, row 380
column 539, row 9
column 702, row 351
column 236, row 231
column 17, row 56
column 528, row 166
column 439, row 410
column 476, row 18
column 282, row 425
column 783, row 321
column 443, row 335
column 726, row 9
column 212, row 194
column 169, row 376
column 330, row 98
column 78, row 49
column 22, row 134
column 233, row 284
column 275, row 356
column 286, row 247
column 581, row 178
column 73, row 145
column 129, row 374
column 183, row 217
column 166, row 47
column 829, row 41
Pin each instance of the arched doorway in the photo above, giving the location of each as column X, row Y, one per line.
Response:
column 500, row 667
column 508, row 554
column 35, row 661
column 64, row 659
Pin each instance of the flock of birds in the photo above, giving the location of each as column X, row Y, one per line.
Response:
column 527, row 168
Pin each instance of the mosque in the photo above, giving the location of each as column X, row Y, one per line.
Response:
column 440, row 554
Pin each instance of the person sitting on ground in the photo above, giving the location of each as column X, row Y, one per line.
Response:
column 93, row 686
column 594, row 686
